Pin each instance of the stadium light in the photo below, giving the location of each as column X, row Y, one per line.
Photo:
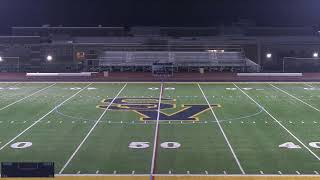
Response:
column 269, row 55
column 1, row 59
column 315, row 54
column 49, row 58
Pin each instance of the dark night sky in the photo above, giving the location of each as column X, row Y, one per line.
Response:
column 156, row 12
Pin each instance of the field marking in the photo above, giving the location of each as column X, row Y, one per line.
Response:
column 308, row 85
column 222, row 131
column 288, row 131
column 91, row 130
column 294, row 97
column 156, row 133
column 157, row 82
column 52, row 110
column 5, row 107
column 188, row 175
column 9, row 86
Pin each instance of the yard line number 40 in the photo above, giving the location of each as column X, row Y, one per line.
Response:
column 291, row 145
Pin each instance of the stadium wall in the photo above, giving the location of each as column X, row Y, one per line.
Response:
column 147, row 77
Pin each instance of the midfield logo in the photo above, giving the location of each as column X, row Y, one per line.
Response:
column 147, row 108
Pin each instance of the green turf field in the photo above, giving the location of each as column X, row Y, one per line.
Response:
column 112, row 128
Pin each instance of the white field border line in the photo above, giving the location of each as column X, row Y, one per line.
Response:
column 187, row 175
column 167, row 82
column 279, row 123
column 294, row 97
column 156, row 135
column 5, row 107
column 91, row 130
column 222, row 131
column 155, row 82
column 56, row 107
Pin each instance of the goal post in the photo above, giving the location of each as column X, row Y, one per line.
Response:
column 295, row 64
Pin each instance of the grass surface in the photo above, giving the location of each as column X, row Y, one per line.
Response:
column 60, row 120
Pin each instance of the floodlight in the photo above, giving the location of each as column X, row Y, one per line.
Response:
column 1, row 59
column 269, row 55
column 315, row 54
column 49, row 58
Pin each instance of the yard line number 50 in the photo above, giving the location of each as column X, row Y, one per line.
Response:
column 145, row 145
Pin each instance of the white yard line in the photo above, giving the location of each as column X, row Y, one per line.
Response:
column 156, row 134
column 5, row 107
column 56, row 107
column 288, row 131
column 91, row 130
column 295, row 97
column 222, row 131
